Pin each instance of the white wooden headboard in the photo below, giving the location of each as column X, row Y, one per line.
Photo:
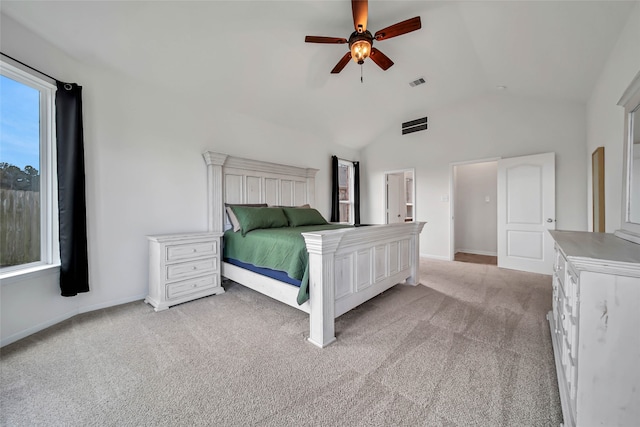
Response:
column 237, row 180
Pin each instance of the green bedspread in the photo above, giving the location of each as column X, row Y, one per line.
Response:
column 281, row 249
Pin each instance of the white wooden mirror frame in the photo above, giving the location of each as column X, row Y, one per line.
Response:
column 630, row 101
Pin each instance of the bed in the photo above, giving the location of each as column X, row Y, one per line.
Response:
column 346, row 266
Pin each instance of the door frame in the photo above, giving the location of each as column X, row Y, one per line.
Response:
column 386, row 190
column 452, row 198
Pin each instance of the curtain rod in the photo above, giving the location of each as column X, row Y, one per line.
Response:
column 30, row 67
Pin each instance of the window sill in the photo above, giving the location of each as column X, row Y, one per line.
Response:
column 28, row 273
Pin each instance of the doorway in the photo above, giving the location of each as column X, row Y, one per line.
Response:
column 399, row 188
column 524, row 209
column 475, row 212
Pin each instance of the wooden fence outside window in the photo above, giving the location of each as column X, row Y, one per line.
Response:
column 19, row 227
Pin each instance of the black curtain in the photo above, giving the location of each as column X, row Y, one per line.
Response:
column 74, row 263
column 335, row 192
column 356, row 192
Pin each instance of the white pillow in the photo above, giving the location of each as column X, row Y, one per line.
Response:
column 235, row 224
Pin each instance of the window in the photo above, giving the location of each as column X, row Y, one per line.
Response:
column 345, row 189
column 28, row 231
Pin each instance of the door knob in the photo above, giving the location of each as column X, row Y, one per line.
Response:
column 549, row 220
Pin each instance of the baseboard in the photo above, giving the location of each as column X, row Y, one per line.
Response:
column 477, row 252
column 112, row 303
column 37, row 328
column 438, row 257
column 68, row 315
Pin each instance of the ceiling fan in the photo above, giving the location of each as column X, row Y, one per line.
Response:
column 361, row 40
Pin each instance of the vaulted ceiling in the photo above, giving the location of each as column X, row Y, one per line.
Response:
column 250, row 56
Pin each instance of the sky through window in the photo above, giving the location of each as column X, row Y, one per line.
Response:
column 19, row 124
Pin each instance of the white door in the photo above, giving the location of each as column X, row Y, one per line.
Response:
column 526, row 210
column 396, row 204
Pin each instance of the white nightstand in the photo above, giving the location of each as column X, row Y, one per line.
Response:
column 183, row 267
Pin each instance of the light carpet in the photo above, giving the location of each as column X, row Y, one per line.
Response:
column 469, row 347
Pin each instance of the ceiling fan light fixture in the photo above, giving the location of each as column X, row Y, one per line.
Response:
column 360, row 50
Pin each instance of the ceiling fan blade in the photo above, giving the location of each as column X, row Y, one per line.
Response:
column 322, row 39
column 399, row 29
column 360, row 9
column 342, row 63
column 381, row 59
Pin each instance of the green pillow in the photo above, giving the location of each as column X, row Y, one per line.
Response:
column 253, row 218
column 232, row 217
column 304, row 216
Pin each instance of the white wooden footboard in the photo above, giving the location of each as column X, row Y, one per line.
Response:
column 346, row 267
column 350, row 266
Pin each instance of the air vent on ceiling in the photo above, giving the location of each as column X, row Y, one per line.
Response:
column 415, row 83
column 414, row 125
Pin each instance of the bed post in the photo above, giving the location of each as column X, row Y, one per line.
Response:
column 215, row 188
column 414, row 253
column 311, row 186
column 322, row 250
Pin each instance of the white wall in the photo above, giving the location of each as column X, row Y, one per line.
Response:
column 496, row 125
column 145, row 174
column 476, row 208
column 605, row 119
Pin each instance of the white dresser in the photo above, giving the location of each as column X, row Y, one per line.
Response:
column 595, row 328
column 183, row 267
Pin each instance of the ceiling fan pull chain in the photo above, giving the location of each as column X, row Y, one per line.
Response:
column 361, row 80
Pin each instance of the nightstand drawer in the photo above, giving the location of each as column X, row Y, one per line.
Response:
column 178, row 252
column 190, row 269
column 179, row 289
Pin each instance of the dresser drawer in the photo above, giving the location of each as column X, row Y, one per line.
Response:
column 191, row 269
column 191, row 250
column 560, row 268
column 555, row 302
column 571, row 375
column 180, row 289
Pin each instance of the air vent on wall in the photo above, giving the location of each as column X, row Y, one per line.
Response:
column 414, row 126
column 415, row 83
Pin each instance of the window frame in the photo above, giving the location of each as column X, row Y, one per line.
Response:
column 350, row 190
column 49, row 243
